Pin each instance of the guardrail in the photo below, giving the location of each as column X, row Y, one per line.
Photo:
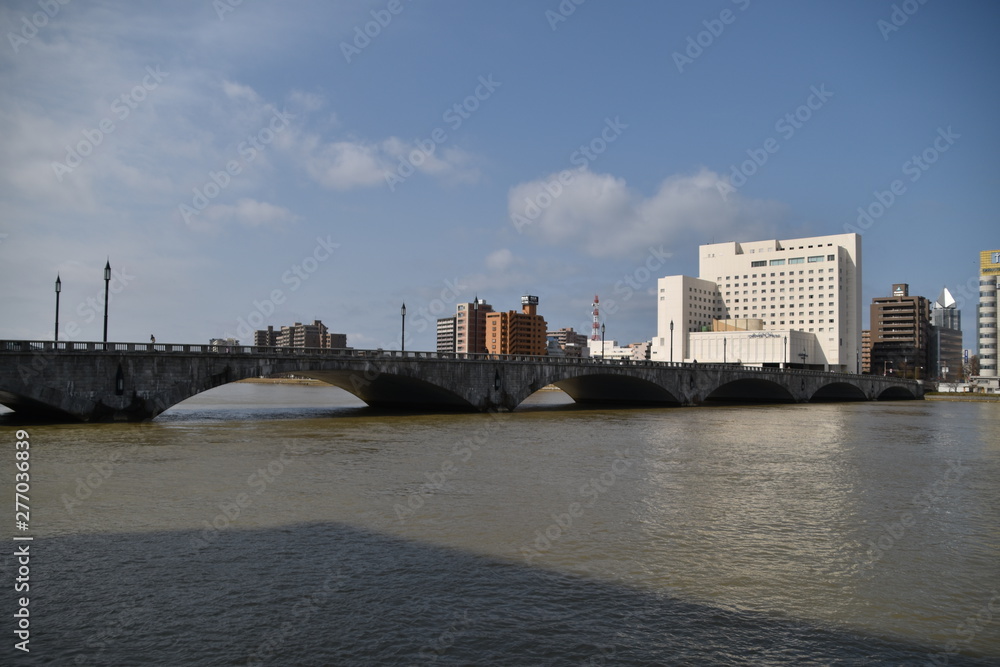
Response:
column 53, row 347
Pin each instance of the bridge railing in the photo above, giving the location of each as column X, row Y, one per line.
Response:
column 53, row 347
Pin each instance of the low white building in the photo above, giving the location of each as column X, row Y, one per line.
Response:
column 756, row 348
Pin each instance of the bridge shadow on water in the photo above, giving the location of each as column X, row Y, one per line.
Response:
column 333, row 594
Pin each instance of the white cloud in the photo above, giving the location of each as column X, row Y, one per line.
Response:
column 501, row 259
column 347, row 164
column 600, row 215
column 250, row 213
column 238, row 92
column 342, row 165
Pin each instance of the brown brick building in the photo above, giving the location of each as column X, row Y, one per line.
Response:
column 517, row 332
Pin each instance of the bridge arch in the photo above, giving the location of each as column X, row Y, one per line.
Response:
column 839, row 391
column 393, row 391
column 895, row 393
column 754, row 390
column 603, row 387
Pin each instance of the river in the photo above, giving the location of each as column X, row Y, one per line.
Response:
column 279, row 524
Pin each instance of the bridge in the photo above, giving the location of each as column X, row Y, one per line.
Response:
column 101, row 382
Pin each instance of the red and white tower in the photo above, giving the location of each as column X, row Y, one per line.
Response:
column 595, row 333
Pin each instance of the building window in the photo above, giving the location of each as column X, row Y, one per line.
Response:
column 816, row 258
column 762, row 262
column 777, row 262
column 797, row 260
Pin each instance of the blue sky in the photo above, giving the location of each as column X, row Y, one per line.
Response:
column 270, row 163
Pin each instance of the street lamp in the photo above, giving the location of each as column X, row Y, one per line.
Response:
column 107, row 282
column 803, row 356
column 784, row 354
column 475, row 325
column 58, row 289
column 723, row 350
column 402, row 335
column 671, row 341
column 602, row 342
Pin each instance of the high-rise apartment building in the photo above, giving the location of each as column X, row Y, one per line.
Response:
column 300, row 335
column 571, row 343
column 470, row 326
column 517, row 332
column 900, row 333
column 989, row 281
column 446, row 334
column 866, row 351
column 787, row 301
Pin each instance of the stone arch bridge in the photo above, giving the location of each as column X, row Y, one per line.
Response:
column 138, row 381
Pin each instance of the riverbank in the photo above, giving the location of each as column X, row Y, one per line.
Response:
column 975, row 398
column 307, row 381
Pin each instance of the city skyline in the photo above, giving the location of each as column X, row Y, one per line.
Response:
column 278, row 163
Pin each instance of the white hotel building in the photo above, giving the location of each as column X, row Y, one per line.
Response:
column 794, row 301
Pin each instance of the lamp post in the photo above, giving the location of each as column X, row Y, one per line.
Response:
column 58, row 290
column 671, row 341
column 475, row 323
column 723, row 350
column 602, row 342
column 107, row 283
column 803, row 356
column 402, row 334
column 784, row 353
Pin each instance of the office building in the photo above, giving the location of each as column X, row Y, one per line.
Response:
column 794, row 301
column 900, row 334
column 945, row 339
column 989, row 280
column 517, row 332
